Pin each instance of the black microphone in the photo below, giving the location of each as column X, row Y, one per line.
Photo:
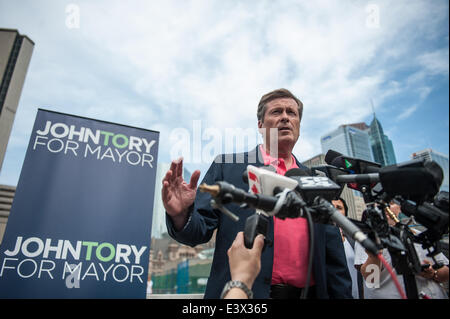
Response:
column 347, row 226
column 322, row 190
column 352, row 165
column 310, row 187
column 331, row 155
column 417, row 180
column 286, row 203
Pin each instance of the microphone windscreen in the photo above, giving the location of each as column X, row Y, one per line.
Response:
column 330, row 156
column 416, row 180
column 436, row 171
column 267, row 167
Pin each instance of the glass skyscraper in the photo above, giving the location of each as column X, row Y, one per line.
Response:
column 382, row 148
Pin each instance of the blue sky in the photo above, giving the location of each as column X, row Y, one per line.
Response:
column 162, row 65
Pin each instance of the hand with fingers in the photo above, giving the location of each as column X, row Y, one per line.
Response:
column 177, row 195
column 427, row 272
column 245, row 264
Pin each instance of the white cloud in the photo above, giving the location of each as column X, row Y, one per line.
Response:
column 163, row 64
column 408, row 112
column 422, row 93
column 435, row 62
column 208, row 58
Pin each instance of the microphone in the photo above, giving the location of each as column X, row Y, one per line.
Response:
column 352, row 165
column 285, row 205
column 434, row 216
column 347, row 226
column 270, row 168
column 417, row 179
column 264, row 180
column 331, row 155
column 310, row 187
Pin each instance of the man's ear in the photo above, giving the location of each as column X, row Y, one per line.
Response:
column 259, row 124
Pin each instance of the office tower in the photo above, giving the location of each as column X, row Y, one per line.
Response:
column 349, row 140
column 6, row 198
column 439, row 158
column 382, row 149
column 15, row 55
column 354, row 199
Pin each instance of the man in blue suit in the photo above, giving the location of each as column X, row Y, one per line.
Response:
column 191, row 220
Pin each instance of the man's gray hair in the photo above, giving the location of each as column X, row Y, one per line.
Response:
column 276, row 94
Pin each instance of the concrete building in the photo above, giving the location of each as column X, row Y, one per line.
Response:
column 6, row 198
column 439, row 158
column 15, row 56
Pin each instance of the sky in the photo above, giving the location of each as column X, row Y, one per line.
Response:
column 195, row 70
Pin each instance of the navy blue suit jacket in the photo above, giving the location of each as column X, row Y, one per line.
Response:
column 330, row 272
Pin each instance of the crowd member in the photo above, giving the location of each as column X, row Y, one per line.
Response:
column 380, row 285
column 191, row 220
column 349, row 247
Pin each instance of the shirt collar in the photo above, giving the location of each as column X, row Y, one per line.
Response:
column 278, row 163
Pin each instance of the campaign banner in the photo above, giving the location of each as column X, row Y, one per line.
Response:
column 80, row 222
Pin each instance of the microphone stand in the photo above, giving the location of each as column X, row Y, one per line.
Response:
column 406, row 262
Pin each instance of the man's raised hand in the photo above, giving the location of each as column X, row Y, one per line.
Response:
column 177, row 195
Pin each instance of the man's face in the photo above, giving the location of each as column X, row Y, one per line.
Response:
column 282, row 114
column 339, row 206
